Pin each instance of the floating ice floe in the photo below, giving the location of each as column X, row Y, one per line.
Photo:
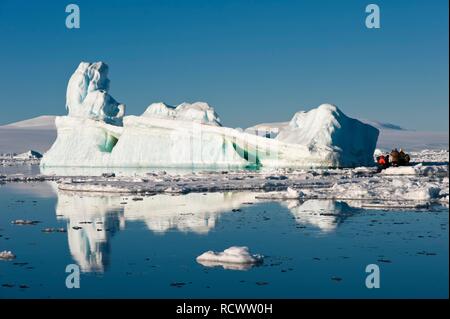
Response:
column 54, row 230
column 418, row 169
column 423, row 193
column 398, row 189
column 400, row 170
column 7, row 255
column 97, row 134
column 234, row 257
column 395, row 205
column 24, row 222
column 290, row 193
column 339, row 184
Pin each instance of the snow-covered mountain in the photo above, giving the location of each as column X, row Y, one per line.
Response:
column 384, row 126
column 392, row 135
column 37, row 133
column 44, row 122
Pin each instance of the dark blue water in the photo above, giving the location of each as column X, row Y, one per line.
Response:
column 147, row 248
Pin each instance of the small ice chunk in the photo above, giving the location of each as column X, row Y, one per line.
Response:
column 425, row 193
column 7, row 255
column 401, row 170
column 24, row 222
column 232, row 255
column 292, row 193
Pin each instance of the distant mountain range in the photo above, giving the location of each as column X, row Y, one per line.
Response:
column 44, row 122
column 36, row 134
column 384, row 126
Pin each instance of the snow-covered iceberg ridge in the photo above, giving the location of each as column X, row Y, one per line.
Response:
column 97, row 134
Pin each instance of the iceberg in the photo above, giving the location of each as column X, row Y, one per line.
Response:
column 232, row 255
column 96, row 133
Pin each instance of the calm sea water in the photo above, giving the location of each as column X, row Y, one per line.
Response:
column 146, row 247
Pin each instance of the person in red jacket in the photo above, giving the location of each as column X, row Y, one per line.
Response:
column 383, row 161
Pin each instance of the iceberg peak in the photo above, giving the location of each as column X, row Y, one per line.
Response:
column 327, row 126
column 199, row 112
column 87, row 94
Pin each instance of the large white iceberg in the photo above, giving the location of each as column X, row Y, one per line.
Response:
column 97, row 134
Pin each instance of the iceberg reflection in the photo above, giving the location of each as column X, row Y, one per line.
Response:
column 226, row 266
column 92, row 219
column 323, row 214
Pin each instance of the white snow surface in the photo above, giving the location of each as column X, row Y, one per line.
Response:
column 198, row 112
column 270, row 130
column 234, row 255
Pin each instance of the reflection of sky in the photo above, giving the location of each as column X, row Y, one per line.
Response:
column 37, row 189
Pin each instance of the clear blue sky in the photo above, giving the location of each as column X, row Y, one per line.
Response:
column 254, row 61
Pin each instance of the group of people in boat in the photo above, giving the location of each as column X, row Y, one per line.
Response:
column 395, row 158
